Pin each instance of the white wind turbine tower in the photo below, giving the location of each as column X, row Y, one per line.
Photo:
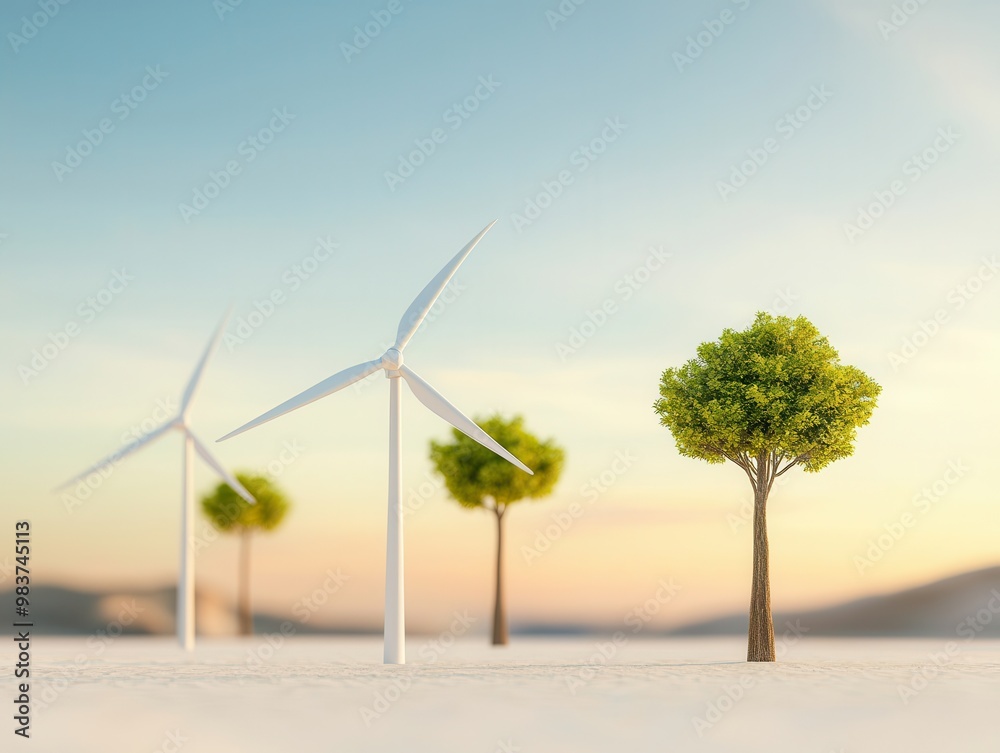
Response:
column 392, row 362
column 185, row 583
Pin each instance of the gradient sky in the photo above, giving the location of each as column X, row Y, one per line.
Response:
column 778, row 243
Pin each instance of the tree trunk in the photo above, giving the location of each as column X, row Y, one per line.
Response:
column 760, row 641
column 500, row 637
column 246, row 616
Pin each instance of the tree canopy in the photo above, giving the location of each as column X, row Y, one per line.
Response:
column 228, row 511
column 473, row 474
column 775, row 392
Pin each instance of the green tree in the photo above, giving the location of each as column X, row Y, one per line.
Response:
column 477, row 478
column 230, row 513
column 769, row 398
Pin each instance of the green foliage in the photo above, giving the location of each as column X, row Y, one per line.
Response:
column 775, row 388
column 228, row 511
column 475, row 475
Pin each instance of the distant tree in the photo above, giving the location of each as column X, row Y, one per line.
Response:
column 768, row 398
column 478, row 478
column 230, row 513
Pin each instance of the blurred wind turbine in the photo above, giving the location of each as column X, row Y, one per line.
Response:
column 392, row 362
column 185, row 584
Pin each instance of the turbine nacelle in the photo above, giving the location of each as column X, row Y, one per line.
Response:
column 392, row 359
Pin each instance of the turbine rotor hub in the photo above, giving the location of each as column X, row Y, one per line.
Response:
column 392, row 359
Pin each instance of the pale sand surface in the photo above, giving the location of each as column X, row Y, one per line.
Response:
column 140, row 694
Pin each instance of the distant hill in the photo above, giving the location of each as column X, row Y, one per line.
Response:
column 64, row 611
column 932, row 610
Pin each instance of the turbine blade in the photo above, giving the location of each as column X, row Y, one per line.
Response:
column 328, row 386
column 414, row 315
column 118, row 455
column 437, row 403
column 217, row 467
column 192, row 385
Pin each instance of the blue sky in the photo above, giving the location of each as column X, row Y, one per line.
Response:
column 778, row 243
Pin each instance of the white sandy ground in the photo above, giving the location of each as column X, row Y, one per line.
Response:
column 140, row 695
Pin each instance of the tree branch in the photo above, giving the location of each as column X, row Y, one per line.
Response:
column 741, row 460
column 749, row 472
column 792, row 464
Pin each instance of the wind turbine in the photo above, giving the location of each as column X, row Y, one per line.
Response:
column 185, row 584
column 392, row 363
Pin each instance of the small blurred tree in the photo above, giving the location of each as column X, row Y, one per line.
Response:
column 230, row 513
column 478, row 478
